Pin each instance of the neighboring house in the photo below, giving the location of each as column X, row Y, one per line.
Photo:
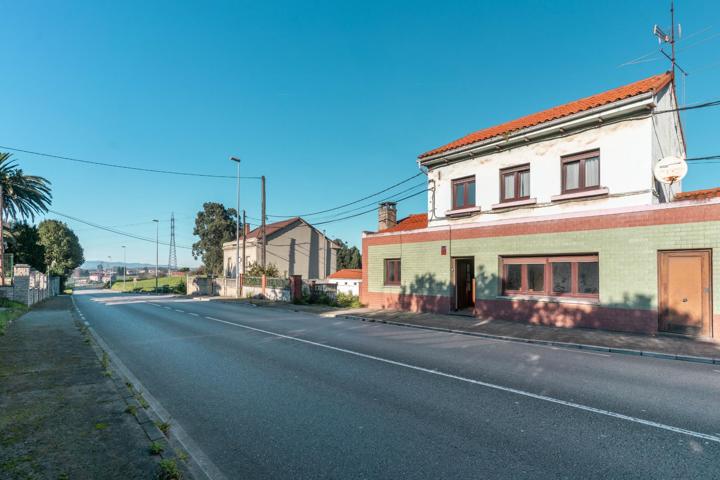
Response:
column 294, row 246
column 348, row 280
column 555, row 218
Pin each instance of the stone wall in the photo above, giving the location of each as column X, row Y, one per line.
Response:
column 30, row 286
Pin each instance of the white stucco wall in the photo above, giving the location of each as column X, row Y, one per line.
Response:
column 346, row 286
column 625, row 169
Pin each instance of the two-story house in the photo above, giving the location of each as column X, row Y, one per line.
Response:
column 556, row 218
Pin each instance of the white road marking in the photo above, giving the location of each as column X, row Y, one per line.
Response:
column 178, row 310
column 193, row 314
column 167, row 308
column 586, row 408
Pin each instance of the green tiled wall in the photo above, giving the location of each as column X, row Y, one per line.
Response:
column 628, row 260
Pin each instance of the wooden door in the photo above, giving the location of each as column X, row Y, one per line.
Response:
column 684, row 302
column 464, row 283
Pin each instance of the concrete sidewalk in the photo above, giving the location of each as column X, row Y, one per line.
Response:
column 60, row 417
column 667, row 346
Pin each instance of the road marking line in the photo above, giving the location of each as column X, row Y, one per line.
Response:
column 193, row 314
column 178, row 310
column 579, row 406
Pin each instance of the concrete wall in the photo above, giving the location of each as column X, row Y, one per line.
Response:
column 627, row 244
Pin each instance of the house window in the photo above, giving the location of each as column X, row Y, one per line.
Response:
column 581, row 172
column 392, row 271
column 463, row 193
column 558, row 276
column 515, row 183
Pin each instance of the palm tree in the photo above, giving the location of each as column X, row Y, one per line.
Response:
column 21, row 197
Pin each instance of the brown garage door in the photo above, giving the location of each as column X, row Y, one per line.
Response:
column 684, row 303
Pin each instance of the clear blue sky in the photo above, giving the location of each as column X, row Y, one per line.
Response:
column 330, row 100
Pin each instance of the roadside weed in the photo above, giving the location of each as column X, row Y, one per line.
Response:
column 168, row 470
column 156, row 448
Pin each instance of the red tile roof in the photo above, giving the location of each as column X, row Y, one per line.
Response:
column 411, row 222
column 698, row 194
column 652, row 84
column 271, row 228
column 349, row 273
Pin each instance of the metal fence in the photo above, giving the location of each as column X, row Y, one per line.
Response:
column 252, row 281
column 278, row 282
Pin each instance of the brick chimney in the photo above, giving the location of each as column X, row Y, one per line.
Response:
column 387, row 215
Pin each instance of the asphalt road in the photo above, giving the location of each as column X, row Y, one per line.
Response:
column 275, row 394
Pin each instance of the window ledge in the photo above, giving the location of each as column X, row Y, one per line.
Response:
column 516, row 203
column 585, row 193
column 552, row 299
column 463, row 212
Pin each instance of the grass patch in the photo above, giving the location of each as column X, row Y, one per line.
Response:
column 164, row 427
column 168, row 470
column 156, row 448
column 141, row 400
column 165, row 285
column 131, row 409
column 101, row 426
column 12, row 311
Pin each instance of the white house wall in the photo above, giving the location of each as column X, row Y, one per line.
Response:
column 625, row 168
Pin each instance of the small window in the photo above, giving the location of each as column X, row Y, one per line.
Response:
column 515, row 183
column 581, row 172
column 463, row 193
column 559, row 276
column 392, row 271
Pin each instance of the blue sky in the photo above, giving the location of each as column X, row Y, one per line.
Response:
column 330, row 100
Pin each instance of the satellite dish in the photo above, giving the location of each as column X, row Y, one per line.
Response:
column 670, row 170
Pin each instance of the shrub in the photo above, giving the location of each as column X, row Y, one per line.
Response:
column 347, row 300
column 168, row 470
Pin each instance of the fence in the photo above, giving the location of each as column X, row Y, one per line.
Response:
column 318, row 290
column 265, row 287
column 30, row 286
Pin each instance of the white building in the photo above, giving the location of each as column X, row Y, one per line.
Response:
column 348, row 280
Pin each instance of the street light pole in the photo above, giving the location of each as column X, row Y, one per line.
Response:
column 237, row 232
column 157, row 252
column 124, row 269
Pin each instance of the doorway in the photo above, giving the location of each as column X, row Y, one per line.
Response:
column 685, row 304
column 464, row 283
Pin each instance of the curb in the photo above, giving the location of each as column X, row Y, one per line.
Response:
column 148, row 417
column 567, row 345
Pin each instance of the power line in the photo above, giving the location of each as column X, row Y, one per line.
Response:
column 125, row 167
column 712, row 103
column 350, row 203
column 371, row 210
column 700, row 159
column 374, row 203
column 112, row 230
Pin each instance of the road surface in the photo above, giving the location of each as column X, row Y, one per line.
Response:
column 268, row 393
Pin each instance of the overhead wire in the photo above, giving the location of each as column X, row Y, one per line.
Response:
column 125, row 167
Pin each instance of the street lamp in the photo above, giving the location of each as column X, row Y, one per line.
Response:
column 237, row 233
column 124, row 269
column 157, row 252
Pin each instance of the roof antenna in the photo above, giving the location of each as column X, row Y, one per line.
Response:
column 665, row 38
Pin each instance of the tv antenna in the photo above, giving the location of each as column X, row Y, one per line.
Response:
column 664, row 38
column 172, row 261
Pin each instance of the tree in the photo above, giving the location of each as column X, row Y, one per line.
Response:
column 24, row 244
column 348, row 257
column 257, row 270
column 215, row 225
column 63, row 252
column 23, row 196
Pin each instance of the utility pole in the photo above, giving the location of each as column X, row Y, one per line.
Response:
column 237, row 231
column 157, row 252
column 665, row 38
column 244, row 237
column 262, row 228
column 2, row 239
column 124, row 269
column 172, row 259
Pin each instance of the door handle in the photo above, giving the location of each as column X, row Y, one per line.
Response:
column 684, row 300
